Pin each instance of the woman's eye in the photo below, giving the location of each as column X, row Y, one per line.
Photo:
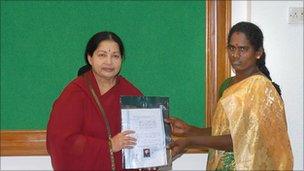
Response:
column 242, row 49
column 116, row 56
column 232, row 48
column 101, row 55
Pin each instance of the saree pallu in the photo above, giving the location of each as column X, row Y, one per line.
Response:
column 253, row 113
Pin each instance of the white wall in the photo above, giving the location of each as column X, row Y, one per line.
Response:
column 284, row 49
column 185, row 162
column 284, row 58
column 26, row 163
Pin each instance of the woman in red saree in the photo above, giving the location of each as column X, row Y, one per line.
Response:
column 77, row 136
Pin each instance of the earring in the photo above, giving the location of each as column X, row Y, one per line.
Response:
column 258, row 57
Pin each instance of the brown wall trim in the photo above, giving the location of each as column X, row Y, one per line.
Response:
column 23, row 143
column 218, row 21
column 218, row 17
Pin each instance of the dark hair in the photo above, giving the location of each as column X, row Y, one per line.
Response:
column 93, row 44
column 255, row 36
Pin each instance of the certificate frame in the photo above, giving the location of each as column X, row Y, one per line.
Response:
column 145, row 115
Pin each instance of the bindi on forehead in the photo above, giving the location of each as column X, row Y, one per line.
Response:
column 108, row 51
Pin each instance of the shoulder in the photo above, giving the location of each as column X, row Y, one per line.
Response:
column 75, row 85
column 259, row 81
column 225, row 84
column 127, row 87
column 260, row 84
column 75, row 90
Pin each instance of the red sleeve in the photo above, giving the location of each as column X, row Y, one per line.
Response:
column 68, row 146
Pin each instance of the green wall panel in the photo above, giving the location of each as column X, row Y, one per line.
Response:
column 42, row 46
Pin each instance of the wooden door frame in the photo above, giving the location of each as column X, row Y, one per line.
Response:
column 218, row 22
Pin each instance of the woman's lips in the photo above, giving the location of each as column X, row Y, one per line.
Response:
column 236, row 63
column 108, row 69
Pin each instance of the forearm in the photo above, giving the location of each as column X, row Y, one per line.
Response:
column 196, row 131
column 223, row 142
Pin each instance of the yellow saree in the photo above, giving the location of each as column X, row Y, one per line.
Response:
column 253, row 113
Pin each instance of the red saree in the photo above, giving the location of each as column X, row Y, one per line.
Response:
column 76, row 133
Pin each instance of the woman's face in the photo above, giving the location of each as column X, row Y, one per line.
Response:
column 106, row 60
column 241, row 53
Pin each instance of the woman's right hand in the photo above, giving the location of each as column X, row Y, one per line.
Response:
column 178, row 127
column 123, row 140
column 179, row 146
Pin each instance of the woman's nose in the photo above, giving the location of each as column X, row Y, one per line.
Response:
column 236, row 54
column 109, row 60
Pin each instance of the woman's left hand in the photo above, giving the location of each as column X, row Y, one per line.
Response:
column 123, row 140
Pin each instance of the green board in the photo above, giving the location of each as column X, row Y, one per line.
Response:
column 42, row 46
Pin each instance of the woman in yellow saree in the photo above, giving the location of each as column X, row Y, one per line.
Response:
column 249, row 129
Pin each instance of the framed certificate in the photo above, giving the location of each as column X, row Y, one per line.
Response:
column 145, row 116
